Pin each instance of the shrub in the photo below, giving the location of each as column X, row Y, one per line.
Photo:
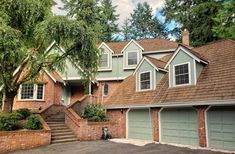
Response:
column 24, row 112
column 33, row 122
column 94, row 112
column 8, row 121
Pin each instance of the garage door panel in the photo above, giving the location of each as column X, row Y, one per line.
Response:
column 140, row 124
column 179, row 126
column 221, row 127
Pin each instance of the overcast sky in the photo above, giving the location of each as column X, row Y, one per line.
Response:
column 124, row 7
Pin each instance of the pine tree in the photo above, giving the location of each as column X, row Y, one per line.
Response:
column 108, row 18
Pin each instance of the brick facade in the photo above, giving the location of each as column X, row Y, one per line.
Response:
column 52, row 95
column 201, row 125
column 98, row 90
column 77, row 92
column 156, row 124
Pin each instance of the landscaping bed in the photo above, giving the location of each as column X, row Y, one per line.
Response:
column 22, row 130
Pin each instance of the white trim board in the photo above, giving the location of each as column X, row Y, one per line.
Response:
column 189, row 73
column 104, row 44
column 181, row 48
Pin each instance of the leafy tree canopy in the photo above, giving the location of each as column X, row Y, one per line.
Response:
column 27, row 28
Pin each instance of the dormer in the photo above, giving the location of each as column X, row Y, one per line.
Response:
column 149, row 73
column 105, row 61
column 184, row 67
column 132, row 54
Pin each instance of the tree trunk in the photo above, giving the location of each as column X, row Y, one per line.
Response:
column 7, row 101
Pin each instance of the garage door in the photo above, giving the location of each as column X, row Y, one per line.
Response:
column 179, row 126
column 140, row 124
column 221, row 127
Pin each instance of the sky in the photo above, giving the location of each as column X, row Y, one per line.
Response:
column 124, row 7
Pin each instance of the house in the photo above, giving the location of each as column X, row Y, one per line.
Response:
column 158, row 90
column 185, row 98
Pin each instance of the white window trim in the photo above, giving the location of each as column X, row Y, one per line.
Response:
column 126, row 66
column 108, row 67
column 35, row 87
column 189, row 70
column 151, row 84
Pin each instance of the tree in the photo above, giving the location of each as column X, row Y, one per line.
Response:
column 126, row 30
column 225, row 21
column 27, row 27
column 143, row 24
column 194, row 15
column 108, row 18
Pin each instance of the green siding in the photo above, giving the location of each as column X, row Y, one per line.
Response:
column 145, row 66
column 221, row 127
column 117, row 69
column 132, row 47
column 199, row 68
column 70, row 71
column 159, row 76
column 179, row 126
column 140, row 125
column 182, row 57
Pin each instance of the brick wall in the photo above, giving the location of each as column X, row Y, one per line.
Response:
column 77, row 92
column 52, row 94
column 24, row 139
column 93, row 130
column 98, row 90
column 156, row 124
column 201, row 125
column 51, row 110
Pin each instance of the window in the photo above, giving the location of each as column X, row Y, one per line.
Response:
column 132, row 58
column 31, row 91
column 104, row 60
column 145, row 81
column 181, row 74
column 106, row 89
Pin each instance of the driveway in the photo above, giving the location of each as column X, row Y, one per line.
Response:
column 107, row 147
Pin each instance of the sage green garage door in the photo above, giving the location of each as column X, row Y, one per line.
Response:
column 140, row 124
column 221, row 127
column 179, row 126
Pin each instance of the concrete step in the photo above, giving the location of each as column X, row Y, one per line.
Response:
column 62, row 133
column 58, row 127
column 64, row 140
column 63, row 137
column 61, row 130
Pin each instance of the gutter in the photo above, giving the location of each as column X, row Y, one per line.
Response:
column 179, row 104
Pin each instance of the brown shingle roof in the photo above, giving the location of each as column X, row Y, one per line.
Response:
column 156, row 62
column 215, row 83
column 154, row 44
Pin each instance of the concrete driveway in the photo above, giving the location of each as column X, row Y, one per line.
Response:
column 107, row 147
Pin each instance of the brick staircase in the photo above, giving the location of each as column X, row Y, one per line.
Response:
column 60, row 133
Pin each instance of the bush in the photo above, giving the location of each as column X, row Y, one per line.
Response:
column 33, row 122
column 94, row 112
column 24, row 112
column 8, row 121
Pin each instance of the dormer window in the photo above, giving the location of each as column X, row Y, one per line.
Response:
column 145, row 81
column 132, row 58
column 104, row 60
column 182, row 76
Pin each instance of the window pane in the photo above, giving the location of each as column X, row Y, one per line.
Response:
column 27, row 91
column 40, row 91
column 106, row 89
column 132, row 58
column 181, row 74
column 145, row 80
column 104, row 60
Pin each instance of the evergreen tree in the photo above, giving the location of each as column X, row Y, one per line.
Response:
column 143, row 24
column 225, row 21
column 126, row 30
column 108, row 18
column 194, row 15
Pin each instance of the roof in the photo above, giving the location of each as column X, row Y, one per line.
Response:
column 215, row 83
column 55, row 76
column 157, row 62
column 154, row 44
